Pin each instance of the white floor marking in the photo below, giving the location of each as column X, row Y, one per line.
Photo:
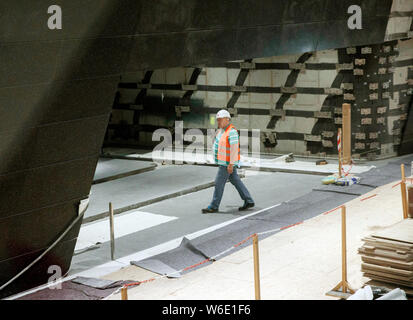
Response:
column 113, row 266
column 124, row 224
column 164, row 247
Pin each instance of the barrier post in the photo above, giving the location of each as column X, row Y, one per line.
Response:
column 112, row 232
column 256, row 268
column 339, row 153
column 410, row 200
column 124, row 293
column 404, row 195
column 344, row 248
column 346, row 136
column 346, row 290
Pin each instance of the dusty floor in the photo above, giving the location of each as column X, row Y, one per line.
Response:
column 303, row 262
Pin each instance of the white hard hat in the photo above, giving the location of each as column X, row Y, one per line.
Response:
column 223, row 114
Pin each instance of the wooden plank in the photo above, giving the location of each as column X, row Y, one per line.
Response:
column 389, row 243
column 388, row 262
column 391, row 249
column 403, row 274
column 388, row 280
column 387, row 254
column 388, row 276
column 401, row 232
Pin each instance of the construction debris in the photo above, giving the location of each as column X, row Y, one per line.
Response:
column 347, row 181
column 367, row 293
column 396, row 294
column 321, row 162
column 387, row 255
column 341, row 181
column 290, row 158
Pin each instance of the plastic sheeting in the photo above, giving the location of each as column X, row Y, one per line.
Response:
column 302, row 208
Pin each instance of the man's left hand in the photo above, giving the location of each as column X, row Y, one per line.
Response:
column 230, row 168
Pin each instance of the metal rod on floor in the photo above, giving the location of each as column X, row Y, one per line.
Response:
column 404, row 195
column 256, row 268
column 124, row 293
column 112, row 232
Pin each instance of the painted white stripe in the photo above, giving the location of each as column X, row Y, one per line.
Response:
column 124, row 224
column 172, row 244
column 113, row 266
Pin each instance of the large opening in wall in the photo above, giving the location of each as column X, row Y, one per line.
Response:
column 287, row 110
column 159, row 200
column 290, row 105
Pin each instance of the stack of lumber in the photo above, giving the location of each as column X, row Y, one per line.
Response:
column 387, row 255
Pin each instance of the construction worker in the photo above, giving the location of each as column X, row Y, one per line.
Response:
column 227, row 155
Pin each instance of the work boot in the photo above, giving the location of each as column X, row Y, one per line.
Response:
column 209, row 210
column 246, row 206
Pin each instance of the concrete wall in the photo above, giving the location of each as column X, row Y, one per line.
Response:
column 380, row 91
column 57, row 88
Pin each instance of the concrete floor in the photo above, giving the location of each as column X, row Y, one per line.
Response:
column 132, row 190
column 184, row 212
column 160, row 226
column 109, row 169
column 299, row 263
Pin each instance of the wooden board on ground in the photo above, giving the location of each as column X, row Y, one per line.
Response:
column 404, row 273
column 386, row 275
column 401, row 231
column 388, row 280
column 388, row 243
column 388, row 263
column 389, row 254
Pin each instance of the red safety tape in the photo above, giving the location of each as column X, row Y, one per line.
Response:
column 348, row 171
column 292, row 225
column 399, row 183
column 253, row 235
column 196, row 265
column 245, row 240
column 235, row 246
column 374, row 195
column 332, row 210
column 139, row 282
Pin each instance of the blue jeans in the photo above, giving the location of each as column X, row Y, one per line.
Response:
column 221, row 180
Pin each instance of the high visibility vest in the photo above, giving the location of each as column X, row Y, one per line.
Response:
column 224, row 148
